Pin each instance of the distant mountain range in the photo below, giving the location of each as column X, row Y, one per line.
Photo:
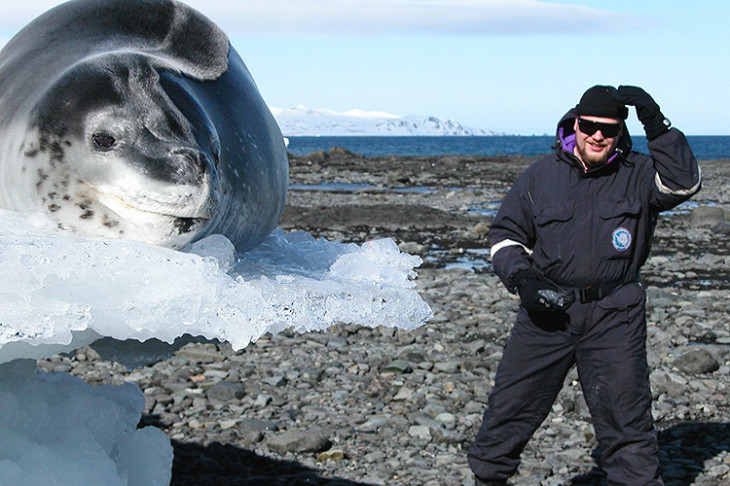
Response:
column 304, row 121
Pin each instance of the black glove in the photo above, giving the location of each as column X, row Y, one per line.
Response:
column 647, row 110
column 538, row 294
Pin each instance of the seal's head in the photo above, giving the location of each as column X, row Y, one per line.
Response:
column 137, row 120
column 113, row 155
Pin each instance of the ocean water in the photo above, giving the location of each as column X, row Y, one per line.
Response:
column 704, row 147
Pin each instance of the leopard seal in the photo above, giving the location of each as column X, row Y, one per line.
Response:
column 137, row 119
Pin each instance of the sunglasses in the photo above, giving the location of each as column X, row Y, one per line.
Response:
column 609, row 130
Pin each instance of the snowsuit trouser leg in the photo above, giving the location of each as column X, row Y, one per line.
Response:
column 533, row 367
column 614, row 376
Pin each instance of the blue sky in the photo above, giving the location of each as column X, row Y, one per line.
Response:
column 513, row 66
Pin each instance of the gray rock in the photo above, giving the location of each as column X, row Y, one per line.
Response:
column 719, row 471
column 398, row 366
column 341, row 152
column 446, row 418
column 446, row 436
column 662, row 383
column 696, row 362
column 225, row 391
column 262, row 400
column 420, row 432
column 331, row 455
column 318, row 156
column 428, row 422
column 252, row 431
column 275, row 381
column 299, row 441
column 260, row 425
column 201, row 353
column 722, row 228
column 403, row 394
column 708, row 215
column 446, row 367
column 433, row 409
column 373, row 424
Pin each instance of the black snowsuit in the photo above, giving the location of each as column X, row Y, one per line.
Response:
column 589, row 232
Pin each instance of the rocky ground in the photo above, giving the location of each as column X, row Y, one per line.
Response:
column 359, row 406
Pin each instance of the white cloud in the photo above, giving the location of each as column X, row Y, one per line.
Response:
column 363, row 17
column 370, row 17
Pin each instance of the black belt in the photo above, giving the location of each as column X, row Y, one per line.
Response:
column 591, row 294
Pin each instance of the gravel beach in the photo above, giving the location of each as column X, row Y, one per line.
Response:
column 360, row 406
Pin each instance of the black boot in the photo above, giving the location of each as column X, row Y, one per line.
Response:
column 482, row 482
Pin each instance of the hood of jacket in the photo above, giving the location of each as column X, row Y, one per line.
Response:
column 565, row 142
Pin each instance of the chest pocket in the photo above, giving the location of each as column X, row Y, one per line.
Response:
column 618, row 228
column 555, row 232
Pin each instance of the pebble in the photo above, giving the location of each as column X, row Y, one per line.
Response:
column 331, row 455
column 398, row 366
column 225, row 391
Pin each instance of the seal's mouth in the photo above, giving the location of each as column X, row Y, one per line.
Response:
column 158, row 226
column 187, row 225
column 167, row 215
column 182, row 212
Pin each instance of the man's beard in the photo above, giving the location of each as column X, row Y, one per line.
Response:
column 592, row 159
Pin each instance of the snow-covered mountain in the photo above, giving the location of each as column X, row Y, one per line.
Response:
column 303, row 121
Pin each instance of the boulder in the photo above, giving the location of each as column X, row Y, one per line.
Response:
column 709, row 215
column 697, row 362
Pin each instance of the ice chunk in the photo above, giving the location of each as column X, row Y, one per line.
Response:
column 218, row 248
column 379, row 261
column 60, row 292
column 58, row 430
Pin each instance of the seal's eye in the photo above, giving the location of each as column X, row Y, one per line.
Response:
column 103, row 141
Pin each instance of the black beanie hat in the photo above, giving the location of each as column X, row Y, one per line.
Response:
column 602, row 101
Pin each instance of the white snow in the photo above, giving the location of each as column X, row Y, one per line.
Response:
column 59, row 292
column 358, row 113
column 304, row 121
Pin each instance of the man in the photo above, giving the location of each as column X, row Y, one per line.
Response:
column 570, row 238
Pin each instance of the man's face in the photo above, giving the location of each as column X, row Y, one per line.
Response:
column 595, row 148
